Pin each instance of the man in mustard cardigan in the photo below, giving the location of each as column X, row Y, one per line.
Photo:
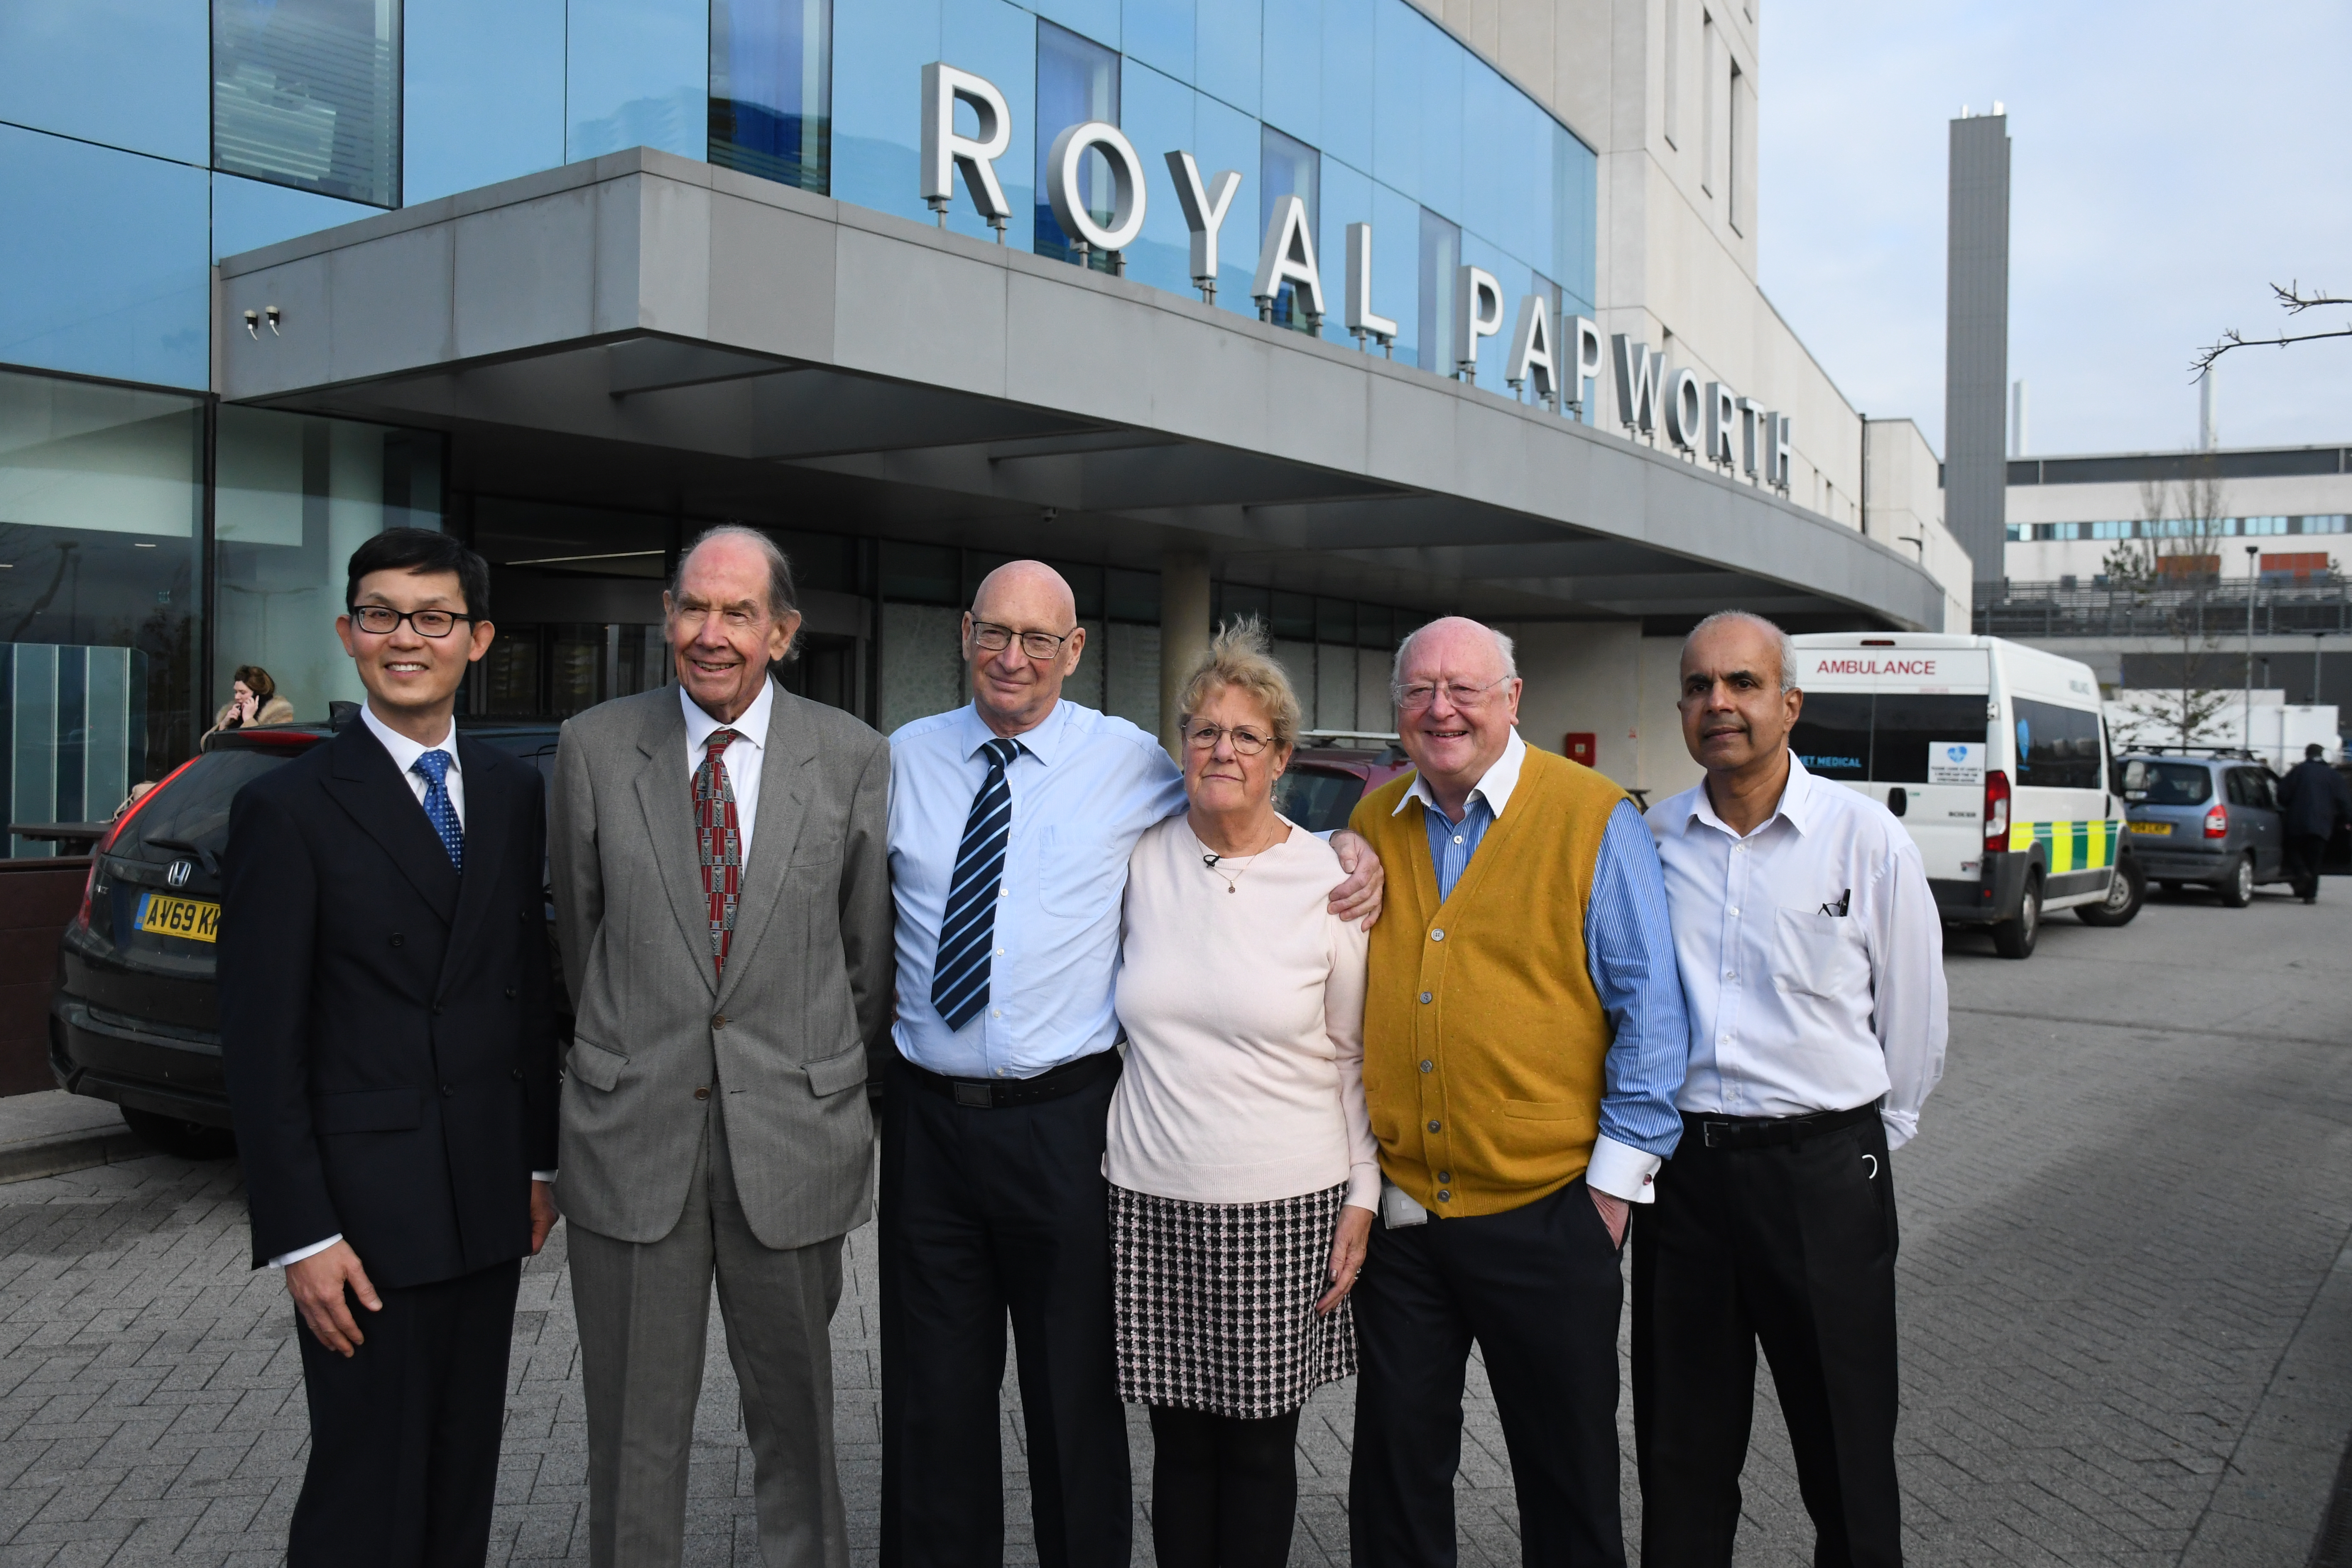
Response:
column 1524, row 1039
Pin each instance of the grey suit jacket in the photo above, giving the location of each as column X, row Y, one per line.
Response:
column 784, row 1040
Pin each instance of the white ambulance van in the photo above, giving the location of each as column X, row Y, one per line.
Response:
column 1994, row 754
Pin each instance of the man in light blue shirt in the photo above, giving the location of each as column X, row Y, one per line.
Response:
column 1011, row 823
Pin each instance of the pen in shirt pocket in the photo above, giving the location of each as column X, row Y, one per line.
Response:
column 1844, row 902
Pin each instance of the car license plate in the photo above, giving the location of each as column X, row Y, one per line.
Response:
column 190, row 920
column 2160, row 827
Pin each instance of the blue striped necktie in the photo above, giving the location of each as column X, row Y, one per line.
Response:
column 967, row 933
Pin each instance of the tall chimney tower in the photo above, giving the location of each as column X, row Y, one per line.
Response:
column 1976, row 341
column 2209, row 411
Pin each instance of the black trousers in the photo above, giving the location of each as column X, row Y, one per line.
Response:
column 404, row 1432
column 1224, row 1489
column 986, row 1211
column 1792, row 1246
column 2305, row 851
column 1538, row 1289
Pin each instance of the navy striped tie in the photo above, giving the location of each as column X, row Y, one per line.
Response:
column 968, row 934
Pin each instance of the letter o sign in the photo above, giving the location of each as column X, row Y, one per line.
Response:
column 1063, row 174
column 1684, row 408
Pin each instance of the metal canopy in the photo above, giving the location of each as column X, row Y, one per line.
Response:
column 642, row 331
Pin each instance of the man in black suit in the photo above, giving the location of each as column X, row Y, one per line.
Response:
column 391, row 1066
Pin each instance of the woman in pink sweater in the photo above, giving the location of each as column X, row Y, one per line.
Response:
column 1242, row 1166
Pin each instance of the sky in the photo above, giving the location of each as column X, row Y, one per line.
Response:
column 2169, row 161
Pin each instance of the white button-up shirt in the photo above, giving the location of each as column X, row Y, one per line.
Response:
column 743, row 758
column 1812, row 955
column 405, row 752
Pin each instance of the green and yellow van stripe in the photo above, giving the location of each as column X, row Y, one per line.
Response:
column 2068, row 846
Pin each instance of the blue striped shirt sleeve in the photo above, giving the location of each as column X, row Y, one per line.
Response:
column 1629, row 944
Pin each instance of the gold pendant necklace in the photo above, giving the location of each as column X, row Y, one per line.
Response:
column 1218, row 863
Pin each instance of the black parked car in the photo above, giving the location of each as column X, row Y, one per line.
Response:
column 135, row 1017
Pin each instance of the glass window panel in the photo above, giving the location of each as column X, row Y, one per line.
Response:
column 293, row 497
column 638, row 74
column 1131, row 595
column 2057, row 748
column 1294, row 616
column 1229, row 50
column 1156, row 112
column 104, row 268
column 771, row 88
column 1131, row 674
column 1077, row 81
column 1335, row 621
column 1288, row 167
column 1574, row 175
column 1400, row 39
column 922, row 573
column 827, row 561
column 1096, row 19
column 484, row 89
column 100, row 537
column 1238, row 602
column 1905, row 729
column 1350, row 41
column 248, row 213
column 1374, row 627
column 123, row 73
column 880, row 49
column 1441, row 254
column 1290, row 93
column 1346, row 198
column 1439, row 83
column 1159, row 34
column 307, row 93
column 1832, row 736
column 922, row 663
column 1492, row 192
column 1225, row 137
column 999, row 41
column 1396, row 267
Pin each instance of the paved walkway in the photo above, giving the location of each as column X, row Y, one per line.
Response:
column 2127, row 1316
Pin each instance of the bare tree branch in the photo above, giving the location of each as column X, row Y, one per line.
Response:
column 2293, row 301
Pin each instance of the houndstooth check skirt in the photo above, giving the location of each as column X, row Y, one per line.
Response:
column 1216, row 1302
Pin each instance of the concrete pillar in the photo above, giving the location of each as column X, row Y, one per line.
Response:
column 1183, row 632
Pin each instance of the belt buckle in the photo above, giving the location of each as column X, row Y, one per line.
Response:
column 1708, row 1130
column 979, row 1096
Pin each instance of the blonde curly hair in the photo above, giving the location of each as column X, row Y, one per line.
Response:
column 1240, row 657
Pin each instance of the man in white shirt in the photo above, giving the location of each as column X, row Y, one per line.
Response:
column 1812, row 960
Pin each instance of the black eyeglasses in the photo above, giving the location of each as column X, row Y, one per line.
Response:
column 382, row 620
column 1041, row 646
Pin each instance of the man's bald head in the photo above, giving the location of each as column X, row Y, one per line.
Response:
column 1027, row 595
column 1014, row 689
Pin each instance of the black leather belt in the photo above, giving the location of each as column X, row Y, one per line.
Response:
column 1714, row 1131
column 1001, row 1093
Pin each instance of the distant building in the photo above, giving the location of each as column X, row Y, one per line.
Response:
column 2068, row 516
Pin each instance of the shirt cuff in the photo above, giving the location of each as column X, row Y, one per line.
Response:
column 543, row 1176
column 1902, row 1126
column 1363, row 1188
column 300, row 1253
column 1621, row 1171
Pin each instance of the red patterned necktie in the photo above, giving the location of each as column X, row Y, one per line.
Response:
column 722, row 843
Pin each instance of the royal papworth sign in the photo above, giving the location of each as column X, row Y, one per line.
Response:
column 1557, row 357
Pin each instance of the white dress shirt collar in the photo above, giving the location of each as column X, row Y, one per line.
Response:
column 405, row 751
column 1047, row 740
column 1495, row 788
column 1796, row 804
column 752, row 723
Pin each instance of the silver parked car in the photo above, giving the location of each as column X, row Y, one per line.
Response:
column 2211, row 820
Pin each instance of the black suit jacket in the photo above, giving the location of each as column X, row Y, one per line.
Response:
column 385, row 1023
column 2313, row 795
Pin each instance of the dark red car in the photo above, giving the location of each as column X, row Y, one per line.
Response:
column 1327, row 778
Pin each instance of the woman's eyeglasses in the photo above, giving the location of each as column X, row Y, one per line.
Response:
column 1247, row 743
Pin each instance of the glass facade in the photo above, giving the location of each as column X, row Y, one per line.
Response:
column 771, row 89
column 152, row 539
column 102, row 548
column 307, row 93
column 293, row 497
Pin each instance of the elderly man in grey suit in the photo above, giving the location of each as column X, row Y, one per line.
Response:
column 723, row 901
